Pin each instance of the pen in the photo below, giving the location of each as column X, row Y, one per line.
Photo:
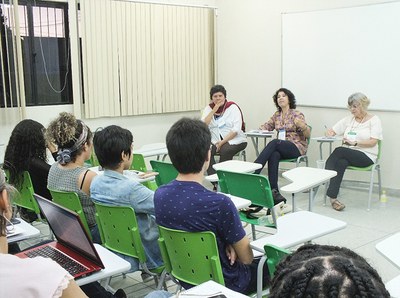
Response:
column 326, row 127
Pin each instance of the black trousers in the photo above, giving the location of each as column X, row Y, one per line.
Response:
column 338, row 161
column 273, row 153
column 226, row 152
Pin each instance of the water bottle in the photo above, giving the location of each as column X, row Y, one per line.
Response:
column 264, row 220
column 383, row 199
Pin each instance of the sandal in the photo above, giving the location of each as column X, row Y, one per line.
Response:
column 338, row 206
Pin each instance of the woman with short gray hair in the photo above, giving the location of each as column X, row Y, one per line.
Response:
column 361, row 132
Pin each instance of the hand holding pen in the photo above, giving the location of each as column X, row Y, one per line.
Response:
column 329, row 132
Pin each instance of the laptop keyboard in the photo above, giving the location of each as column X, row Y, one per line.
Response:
column 64, row 261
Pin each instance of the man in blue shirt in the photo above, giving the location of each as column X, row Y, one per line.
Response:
column 114, row 150
column 185, row 204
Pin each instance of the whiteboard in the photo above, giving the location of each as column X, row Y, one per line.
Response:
column 329, row 54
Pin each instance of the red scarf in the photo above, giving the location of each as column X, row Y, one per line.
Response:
column 225, row 106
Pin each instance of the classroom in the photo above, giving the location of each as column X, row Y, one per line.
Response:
column 249, row 58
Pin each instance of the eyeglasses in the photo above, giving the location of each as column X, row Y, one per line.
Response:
column 354, row 106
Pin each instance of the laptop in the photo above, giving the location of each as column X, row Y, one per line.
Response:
column 73, row 250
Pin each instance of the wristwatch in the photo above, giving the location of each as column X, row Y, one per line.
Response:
column 355, row 144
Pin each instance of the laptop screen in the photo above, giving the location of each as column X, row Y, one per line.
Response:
column 68, row 229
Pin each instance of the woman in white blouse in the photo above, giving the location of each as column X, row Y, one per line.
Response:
column 361, row 132
column 225, row 121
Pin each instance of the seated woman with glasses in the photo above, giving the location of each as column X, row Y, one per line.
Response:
column 361, row 132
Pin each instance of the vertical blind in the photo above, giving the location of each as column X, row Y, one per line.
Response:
column 143, row 58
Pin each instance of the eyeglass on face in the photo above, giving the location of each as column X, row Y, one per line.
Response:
column 354, row 106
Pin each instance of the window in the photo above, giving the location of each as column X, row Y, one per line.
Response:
column 45, row 53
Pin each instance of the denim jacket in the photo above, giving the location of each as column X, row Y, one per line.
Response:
column 113, row 188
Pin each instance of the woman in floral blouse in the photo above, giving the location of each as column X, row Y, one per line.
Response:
column 293, row 132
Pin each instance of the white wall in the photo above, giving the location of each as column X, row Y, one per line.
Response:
column 249, row 64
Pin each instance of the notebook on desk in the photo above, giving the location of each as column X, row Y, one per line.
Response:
column 73, row 250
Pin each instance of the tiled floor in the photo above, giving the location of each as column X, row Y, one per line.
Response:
column 364, row 229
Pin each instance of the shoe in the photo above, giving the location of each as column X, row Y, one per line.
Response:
column 146, row 277
column 278, row 197
column 338, row 206
column 120, row 293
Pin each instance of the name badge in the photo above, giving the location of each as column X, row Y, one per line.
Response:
column 282, row 134
column 352, row 136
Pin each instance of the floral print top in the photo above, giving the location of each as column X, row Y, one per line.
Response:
column 294, row 134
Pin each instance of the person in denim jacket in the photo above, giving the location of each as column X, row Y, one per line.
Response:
column 114, row 150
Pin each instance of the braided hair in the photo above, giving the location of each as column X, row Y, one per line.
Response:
column 326, row 271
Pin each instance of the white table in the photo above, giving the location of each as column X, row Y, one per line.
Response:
column 294, row 229
column 305, row 178
column 239, row 202
column 390, row 249
column 28, row 231
column 155, row 149
column 299, row 227
column 255, row 135
column 113, row 265
column 208, row 289
column 329, row 140
column 132, row 174
column 393, row 286
column 237, row 166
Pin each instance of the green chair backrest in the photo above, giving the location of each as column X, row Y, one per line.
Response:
column 253, row 187
column 71, row 201
column 274, row 256
column 138, row 163
column 25, row 197
column 167, row 171
column 93, row 159
column 119, row 230
column 191, row 257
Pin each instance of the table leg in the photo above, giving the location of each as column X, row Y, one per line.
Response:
column 293, row 204
column 320, row 150
column 330, row 148
column 254, row 140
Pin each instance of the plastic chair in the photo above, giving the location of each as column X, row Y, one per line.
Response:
column 372, row 168
column 70, row 200
column 301, row 158
column 273, row 255
column 166, row 171
column 191, row 257
column 119, row 232
column 253, row 187
column 139, row 164
column 25, row 197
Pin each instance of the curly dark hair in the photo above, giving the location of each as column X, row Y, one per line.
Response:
column 326, row 271
column 292, row 98
column 27, row 141
column 65, row 130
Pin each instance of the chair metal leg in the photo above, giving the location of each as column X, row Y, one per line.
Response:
column 378, row 168
column 260, row 270
column 371, row 186
column 253, row 232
